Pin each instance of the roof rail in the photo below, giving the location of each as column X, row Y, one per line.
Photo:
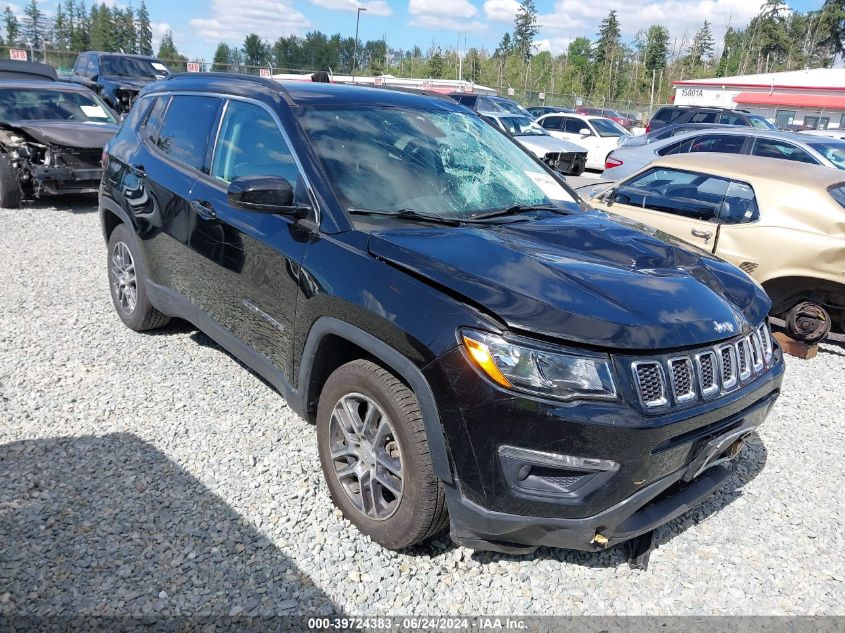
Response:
column 264, row 81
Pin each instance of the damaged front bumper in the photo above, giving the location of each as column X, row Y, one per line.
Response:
column 61, row 180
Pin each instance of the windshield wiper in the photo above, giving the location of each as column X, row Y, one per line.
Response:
column 409, row 214
column 520, row 208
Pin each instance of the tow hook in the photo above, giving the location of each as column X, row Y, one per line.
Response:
column 600, row 540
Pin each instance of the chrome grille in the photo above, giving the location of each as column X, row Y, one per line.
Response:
column 651, row 383
column 707, row 380
column 682, row 378
column 727, row 355
column 703, row 374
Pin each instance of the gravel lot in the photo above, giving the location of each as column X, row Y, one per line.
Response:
column 154, row 474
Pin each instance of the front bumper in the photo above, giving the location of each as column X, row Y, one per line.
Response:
column 664, row 464
column 61, row 180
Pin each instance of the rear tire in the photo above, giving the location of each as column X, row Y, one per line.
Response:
column 10, row 188
column 126, row 283
column 808, row 322
column 375, row 457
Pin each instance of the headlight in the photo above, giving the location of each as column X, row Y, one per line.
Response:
column 536, row 368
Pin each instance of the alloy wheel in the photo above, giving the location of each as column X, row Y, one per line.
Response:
column 124, row 281
column 366, row 456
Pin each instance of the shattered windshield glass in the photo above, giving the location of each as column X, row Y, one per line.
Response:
column 435, row 161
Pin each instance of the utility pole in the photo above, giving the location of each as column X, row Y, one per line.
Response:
column 651, row 105
column 355, row 50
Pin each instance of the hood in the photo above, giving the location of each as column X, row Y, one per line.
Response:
column 68, row 133
column 584, row 278
column 131, row 83
column 542, row 145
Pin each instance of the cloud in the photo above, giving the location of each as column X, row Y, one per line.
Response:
column 452, row 9
column 233, row 21
column 576, row 17
column 374, row 7
column 454, row 15
column 501, row 10
column 446, row 24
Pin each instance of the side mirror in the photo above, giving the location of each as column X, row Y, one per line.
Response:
column 264, row 194
column 584, row 131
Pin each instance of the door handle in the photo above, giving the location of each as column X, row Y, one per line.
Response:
column 204, row 209
column 705, row 235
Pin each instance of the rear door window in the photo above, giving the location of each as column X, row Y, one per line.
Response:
column 92, row 66
column 81, row 65
column 775, row 148
column 718, row 143
column 739, row 205
column 667, row 115
column 574, row 126
column 187, row 129
column 704, row 116
column 151, row 125
column 729, row 118
column 552, row 123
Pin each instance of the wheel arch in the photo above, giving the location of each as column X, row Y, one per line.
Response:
column 786, row 292
column 332, row 343
column 111, row 215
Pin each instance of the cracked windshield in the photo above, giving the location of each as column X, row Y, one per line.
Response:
column 433, row 161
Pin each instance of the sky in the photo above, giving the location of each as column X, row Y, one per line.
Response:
column 198, row 25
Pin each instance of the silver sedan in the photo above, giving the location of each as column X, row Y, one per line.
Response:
column 801, row 148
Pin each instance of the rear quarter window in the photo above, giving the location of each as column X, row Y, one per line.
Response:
column 838, row 193
column 667, row 115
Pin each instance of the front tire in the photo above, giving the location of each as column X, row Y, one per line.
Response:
column 375, row 457
column 126, row 283
column 10, row 188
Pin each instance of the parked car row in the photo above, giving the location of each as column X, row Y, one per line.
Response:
column 52, row 133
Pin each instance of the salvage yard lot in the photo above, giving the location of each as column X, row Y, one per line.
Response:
column 154, row 474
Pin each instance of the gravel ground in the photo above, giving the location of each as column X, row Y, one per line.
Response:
column 154, row 474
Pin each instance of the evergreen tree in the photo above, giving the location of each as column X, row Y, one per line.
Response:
column 435, row 64
column 13, row 29
column 701, row 48
column 505, row 47
column 144, row 31
column 609, row 39
column 256, row 52
column 61, row 35
column 525, row 29
column 125, row 37
column 81, row 34
column 33, row 26
column 102, row 31
column 167, row 51
column 656, row 52
column 222, row 58
column 831, row 27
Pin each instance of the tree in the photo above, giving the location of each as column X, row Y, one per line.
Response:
column 102, row 28
column 505, row 47
column 167, row 49
column 525, row 29
column 61, row 36
column 701, row 48
column 831, row 27
column 144, row 31
column 12, row 27
column 656, row 48
column 435, row 64
column 255, row 51
column 472, row 65
column 33, row 25
column 81, row 34
column 609, row 39
column 222, row 58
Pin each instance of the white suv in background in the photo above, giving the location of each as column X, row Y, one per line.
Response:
column 600, row 136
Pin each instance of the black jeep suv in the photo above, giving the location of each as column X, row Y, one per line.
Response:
column 117, row 77
column 473, row 345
